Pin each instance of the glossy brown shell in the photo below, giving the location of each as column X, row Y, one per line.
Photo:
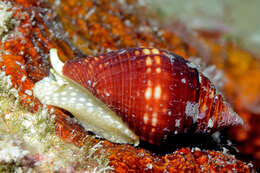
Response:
column 157, row 93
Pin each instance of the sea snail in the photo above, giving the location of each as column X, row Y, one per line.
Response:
column 136, row 93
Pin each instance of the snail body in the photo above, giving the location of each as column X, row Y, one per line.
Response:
column 136, row 93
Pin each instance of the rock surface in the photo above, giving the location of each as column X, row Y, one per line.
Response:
column 77, row 29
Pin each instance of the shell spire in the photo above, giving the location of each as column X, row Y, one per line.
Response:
column 151, row 93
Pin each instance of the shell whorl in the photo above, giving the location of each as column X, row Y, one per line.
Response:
column 155, row 92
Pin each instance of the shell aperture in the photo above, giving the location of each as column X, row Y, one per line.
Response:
column 94, row 115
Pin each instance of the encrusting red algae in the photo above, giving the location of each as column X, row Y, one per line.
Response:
column 25, row 57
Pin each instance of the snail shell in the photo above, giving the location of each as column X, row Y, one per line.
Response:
column 136, row 93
